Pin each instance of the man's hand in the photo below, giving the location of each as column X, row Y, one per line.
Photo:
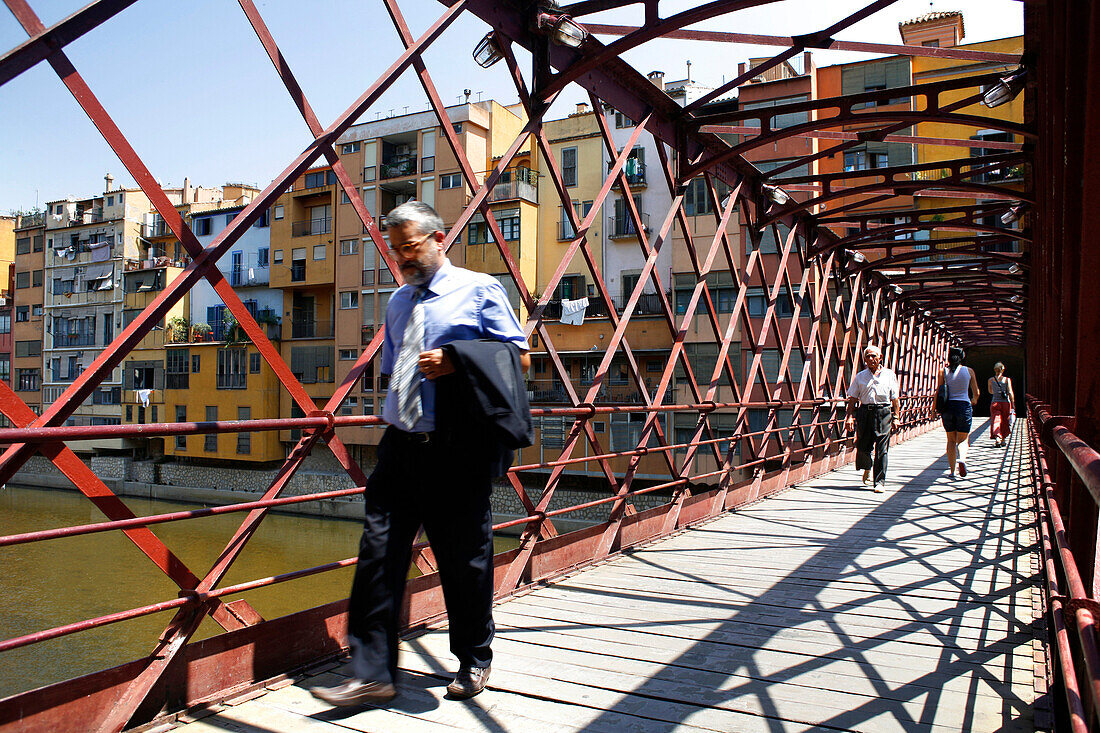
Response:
column 850, row 423
column 435, row 364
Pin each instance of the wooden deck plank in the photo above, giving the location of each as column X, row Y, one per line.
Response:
column 824, row 607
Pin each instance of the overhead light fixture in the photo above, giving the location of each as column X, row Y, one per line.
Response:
column 1013, row 214
column 1014, row 269
column 857, row 257
column 776, row 194
column 927, row 314
column 1006, row 89
column 896, row 289
column 1015, row 299
column 562, row 29
column 488, row 50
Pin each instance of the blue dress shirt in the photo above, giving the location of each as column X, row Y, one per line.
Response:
column 460, row 305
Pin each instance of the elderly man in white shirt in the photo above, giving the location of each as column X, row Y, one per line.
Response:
column 873, row 400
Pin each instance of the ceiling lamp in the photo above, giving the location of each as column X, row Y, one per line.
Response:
column 488, row 51
column 562, row 29
column 776, row 194
column 1006, row 89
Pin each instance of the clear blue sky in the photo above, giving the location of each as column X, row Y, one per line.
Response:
column 193, row 91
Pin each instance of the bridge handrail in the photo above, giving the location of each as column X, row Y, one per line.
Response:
column 1063, row 466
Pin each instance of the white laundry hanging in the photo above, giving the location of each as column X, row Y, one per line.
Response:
column 572, row 311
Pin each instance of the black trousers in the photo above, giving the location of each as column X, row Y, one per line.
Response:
column 874, row 424
column 416, row 483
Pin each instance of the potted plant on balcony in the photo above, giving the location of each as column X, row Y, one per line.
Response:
column 179, row 328
column 234, row 333
column 201, row 332
column 270, row 322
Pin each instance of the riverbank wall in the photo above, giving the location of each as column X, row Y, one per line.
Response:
column 216, row 486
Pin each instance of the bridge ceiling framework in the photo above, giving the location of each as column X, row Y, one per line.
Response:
column 856, row 261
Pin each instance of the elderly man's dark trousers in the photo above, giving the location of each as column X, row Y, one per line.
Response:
column 422, row 483
column 873, row 426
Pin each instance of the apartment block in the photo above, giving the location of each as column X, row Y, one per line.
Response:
column 28, row 310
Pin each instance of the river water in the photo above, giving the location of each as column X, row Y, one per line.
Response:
column 47, row 584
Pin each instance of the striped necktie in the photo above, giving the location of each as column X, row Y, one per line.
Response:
column 406, row 372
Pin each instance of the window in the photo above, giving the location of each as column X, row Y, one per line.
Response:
column 195, row 364
column 622, row 120
column 784, row 119
column 244, row 440
column 319, row 251
column 349, row 148
column 278, row 260
column 38, row 243
column 262, row 255
column 571, row 287
column 697, row 197
column 349, row 246
column 349, row 406
column 177, row 363
column 319, row 178
column 36, row 278
column 349, row 299
column 772, row 239
column 23, row 246
column 278, row 211
column 29, row 379
column 569, row 166
column 312, row 364
column 181, row 416
column 37, row 310
column 264, row 219
column 110, row 200
column 348, row 355
column 22, row 279
column 210, row 441
column 509, row 227
column 202, row 226
column 450, row 180
column 231, row 365
column 28, row 348
column 457, row 127
column 253, row 363
column 22, row 314
column 874, row 75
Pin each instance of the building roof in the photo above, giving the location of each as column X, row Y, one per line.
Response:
column 935, row 15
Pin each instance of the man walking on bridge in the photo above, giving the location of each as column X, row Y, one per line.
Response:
column 873, row 401
column 452, row 343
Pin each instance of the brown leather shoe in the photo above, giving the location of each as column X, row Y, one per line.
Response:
column 355, row 692
column 468, row 682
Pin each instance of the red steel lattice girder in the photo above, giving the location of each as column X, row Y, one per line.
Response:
column 837, row 307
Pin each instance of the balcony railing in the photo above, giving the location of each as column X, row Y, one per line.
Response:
column 552, row 390
column 310, row 329
column 298, row 272
column 73, row 340
column 621, row 227
column 311, row 227
column 232, row 381
column 635, row 174
column 512, row 190
column 398, row 168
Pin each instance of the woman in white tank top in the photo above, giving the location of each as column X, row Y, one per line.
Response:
column 962, row 395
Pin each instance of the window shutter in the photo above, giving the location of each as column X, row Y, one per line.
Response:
column 874, row 75
column 852, row 80
column 899, row 154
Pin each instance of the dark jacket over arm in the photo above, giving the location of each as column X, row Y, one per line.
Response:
column 482, row 409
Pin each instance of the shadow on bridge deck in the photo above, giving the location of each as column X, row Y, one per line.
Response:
column 827, row 606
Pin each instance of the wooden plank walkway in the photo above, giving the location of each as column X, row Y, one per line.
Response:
column 827, row 607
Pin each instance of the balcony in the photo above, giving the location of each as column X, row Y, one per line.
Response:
column 552, row 391
column 634, row 170
column 302, row 328
column 298, row 271
column 514, row 190
column 311, row 227
column 398, row 167
column 73, row 340
column 622, row 227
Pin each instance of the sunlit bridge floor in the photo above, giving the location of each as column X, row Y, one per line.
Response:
column 826, row 607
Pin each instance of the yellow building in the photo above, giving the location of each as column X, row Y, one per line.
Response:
column 944, row 29
column 219, row 381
